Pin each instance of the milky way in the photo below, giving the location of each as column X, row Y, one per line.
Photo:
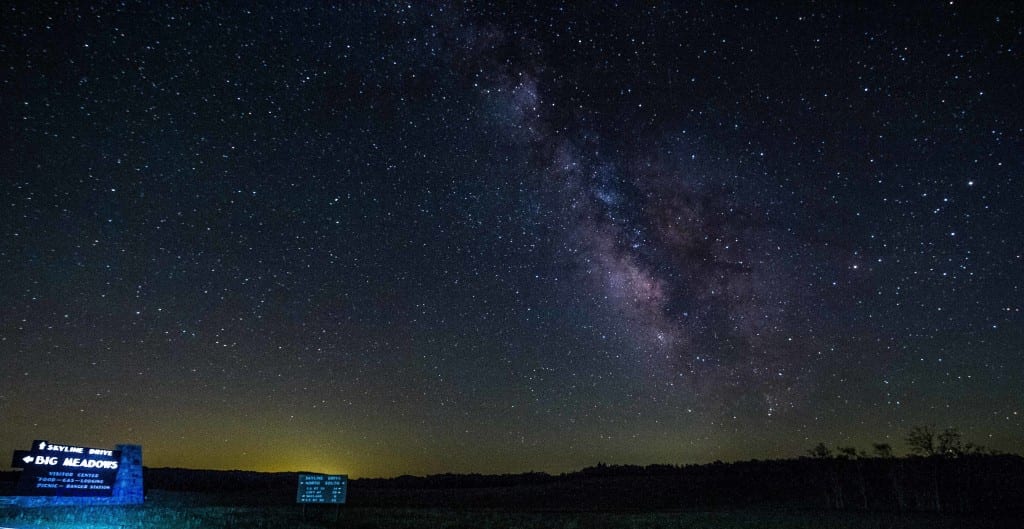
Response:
column 681, row 260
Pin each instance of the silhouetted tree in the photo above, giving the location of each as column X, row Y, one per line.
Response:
column 921, row 441
column 820, row 451
column 830, row 481
column 895, row 471
column 883, row 450
column 856, row 459
column 950, row 443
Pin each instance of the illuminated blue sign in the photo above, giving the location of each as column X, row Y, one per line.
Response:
column 321, row 488
column 65, row 470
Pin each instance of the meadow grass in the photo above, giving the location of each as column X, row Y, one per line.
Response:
column 193, row 511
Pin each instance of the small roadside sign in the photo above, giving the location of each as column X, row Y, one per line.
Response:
column 322, row 488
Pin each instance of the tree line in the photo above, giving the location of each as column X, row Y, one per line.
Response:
column 942, row 473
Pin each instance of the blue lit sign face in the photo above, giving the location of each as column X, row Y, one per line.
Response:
column 63, row 470
column 321, row 488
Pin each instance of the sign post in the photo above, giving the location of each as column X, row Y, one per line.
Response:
column 322, row 489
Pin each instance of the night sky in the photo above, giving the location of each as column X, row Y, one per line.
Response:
column 416, row 238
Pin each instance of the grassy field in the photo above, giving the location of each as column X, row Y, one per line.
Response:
column 191, row 511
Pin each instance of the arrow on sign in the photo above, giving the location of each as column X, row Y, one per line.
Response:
column 21, row 457
column 42, row 445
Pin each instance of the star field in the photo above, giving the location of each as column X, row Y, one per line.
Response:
column 413, row 238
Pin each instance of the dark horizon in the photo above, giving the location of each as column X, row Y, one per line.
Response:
column 980, row 486
column 863, row 452
column 582, row 470
column 385, row 239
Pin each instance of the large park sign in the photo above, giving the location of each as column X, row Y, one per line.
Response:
column 79, row 473
column 63, row 470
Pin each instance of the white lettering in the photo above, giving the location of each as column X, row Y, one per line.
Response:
column 63, row 448
column 90, row 463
